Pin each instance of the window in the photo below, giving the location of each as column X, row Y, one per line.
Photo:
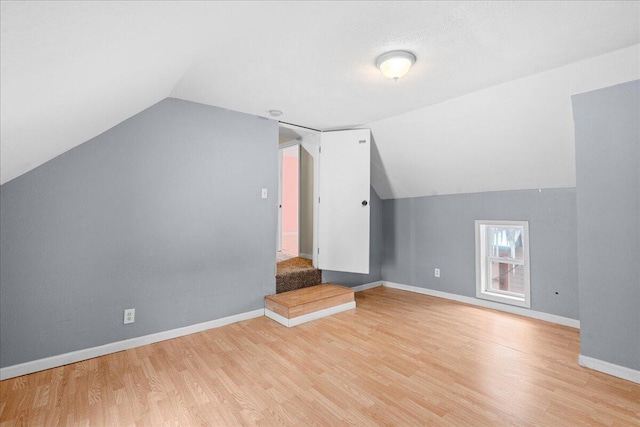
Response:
column 502, row 262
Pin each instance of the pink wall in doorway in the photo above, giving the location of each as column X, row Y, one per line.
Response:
column 289, row 194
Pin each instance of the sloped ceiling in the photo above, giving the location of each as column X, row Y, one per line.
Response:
column 71, row 70
column 514, row 136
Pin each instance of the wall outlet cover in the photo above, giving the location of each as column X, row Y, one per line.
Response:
column 129, row 315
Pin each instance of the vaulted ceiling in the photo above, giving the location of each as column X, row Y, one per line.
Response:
column 71, row 70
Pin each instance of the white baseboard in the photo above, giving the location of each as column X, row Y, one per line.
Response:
column 560, row 320
column 309, row 317
column 609, row 368
column 366, row 286
column 305, row 256
column 90, row 353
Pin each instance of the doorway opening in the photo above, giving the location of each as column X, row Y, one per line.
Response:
column 297, row 188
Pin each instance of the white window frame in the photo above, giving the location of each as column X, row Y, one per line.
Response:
column 483, row 291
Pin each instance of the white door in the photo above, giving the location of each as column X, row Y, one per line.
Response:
column 343, row 229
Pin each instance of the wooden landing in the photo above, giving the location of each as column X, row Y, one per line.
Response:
column 303, row 305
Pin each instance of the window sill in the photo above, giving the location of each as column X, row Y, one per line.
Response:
column 505, row 299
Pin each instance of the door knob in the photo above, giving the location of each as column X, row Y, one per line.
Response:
column 365, row 203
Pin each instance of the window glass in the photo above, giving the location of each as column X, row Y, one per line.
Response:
column 505, row 242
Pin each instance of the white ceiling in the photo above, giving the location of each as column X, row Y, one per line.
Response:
column 71, row 70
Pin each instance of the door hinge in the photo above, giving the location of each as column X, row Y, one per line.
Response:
column 319, row 149
column 318, row 250
column 318, row 199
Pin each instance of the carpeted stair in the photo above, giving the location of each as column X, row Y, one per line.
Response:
column 296, row 273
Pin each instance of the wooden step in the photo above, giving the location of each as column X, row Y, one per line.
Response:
column 303, row 305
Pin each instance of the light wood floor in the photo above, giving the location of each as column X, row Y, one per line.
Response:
column 399, row 358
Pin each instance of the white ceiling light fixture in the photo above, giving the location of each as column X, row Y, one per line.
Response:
column 275, row 113
column 395, row 64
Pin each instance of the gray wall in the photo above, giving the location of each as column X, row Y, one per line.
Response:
column 375, row 251
column 424, row 233
column 161, row 213
column 608, row 180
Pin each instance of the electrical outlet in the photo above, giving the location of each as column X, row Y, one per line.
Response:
column 437, row 272
column 129, row 315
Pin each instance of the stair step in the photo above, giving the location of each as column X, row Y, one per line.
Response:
column 303, row 305
column 296, row 273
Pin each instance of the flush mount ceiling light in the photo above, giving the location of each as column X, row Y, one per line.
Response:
column 275, row 113
column 395, row 64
